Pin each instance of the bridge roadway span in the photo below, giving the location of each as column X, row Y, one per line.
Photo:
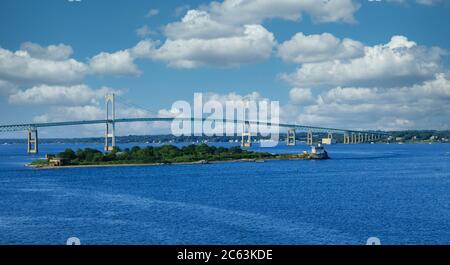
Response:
column 350, row 136
column 28, row 126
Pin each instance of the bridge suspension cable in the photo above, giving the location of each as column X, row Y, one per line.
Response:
column 122, row 100
column 111, row 120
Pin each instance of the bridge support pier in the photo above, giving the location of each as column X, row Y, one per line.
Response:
column 330, row 135
column 32, row 147
column 309, row 138
column 346, row 138
column 290, row 137
column 110, row 129
column 246, row 135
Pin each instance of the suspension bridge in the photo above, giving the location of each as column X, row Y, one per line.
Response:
column 110, row 121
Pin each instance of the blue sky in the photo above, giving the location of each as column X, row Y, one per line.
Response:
column 417, row 77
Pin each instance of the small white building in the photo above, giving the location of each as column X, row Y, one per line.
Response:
column 328, row 141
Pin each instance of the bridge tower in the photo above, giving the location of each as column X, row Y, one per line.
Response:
column 309, row 138
column 246, row 140
column 246, row 135
column 32, row 146
column 290, row 137
column 110, row 129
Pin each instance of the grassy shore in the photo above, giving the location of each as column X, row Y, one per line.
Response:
column 276, row 158
column 163, row 155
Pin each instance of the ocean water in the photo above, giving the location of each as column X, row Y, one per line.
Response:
column 398, row 193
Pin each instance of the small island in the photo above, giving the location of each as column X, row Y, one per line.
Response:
column 161, row 155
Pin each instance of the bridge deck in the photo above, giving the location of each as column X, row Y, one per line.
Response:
column 26, row 126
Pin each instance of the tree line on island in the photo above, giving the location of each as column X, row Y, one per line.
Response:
column 164, row 154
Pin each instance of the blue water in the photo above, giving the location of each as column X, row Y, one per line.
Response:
column 398, row 193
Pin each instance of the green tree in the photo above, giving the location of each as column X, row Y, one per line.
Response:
column 68, row 154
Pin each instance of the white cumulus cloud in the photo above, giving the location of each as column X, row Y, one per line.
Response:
column 230, row 33
column 97, row 112
column 399, row 62
column 422, row 2
column 117, row 63
column 318, row 48
column 302, row 96
column 419, row 106
column 34, row 64
column 152, row 12
column 254, row 44
column 71, row 113
column 51, row 52
column 255, row 11
column 60, row 95
column 200, row 25
column 144, row 31
column 7, row 88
